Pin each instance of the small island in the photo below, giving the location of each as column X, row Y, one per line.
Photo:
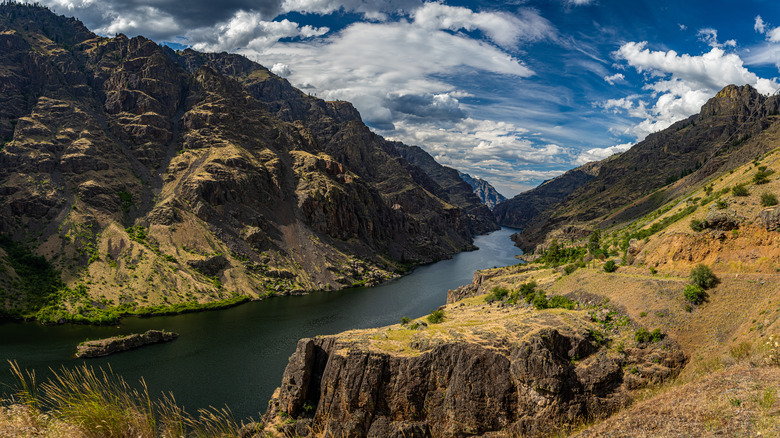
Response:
column 115, row 344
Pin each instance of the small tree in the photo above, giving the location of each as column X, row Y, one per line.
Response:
column 768, row 199
column 694, row 293
column 610, row 266
column 740, row 190
column 594, row 241
column 702, row 276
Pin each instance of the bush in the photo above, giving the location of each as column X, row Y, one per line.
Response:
column 571, row 267
column 540, row 301
column 694, row 293
column 642, row 336
column 405, row 320
column 740, row 190
column 497, row 294
column 610, row 266
column 561, row 302
column 762, row 176
column 722, row 205
column 702, row 276
column 697, row 225
column 436, row 316
column 768, row 199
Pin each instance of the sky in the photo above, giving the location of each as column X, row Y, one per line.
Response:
column 515, row 92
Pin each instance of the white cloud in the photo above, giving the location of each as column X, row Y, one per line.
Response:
column 280, row 69
column 140, row 21
column 710, row 36
column 369, row 64
column 617, row 77
column 502, row 28
column 759, row 25
column 681, row 84
column 597, row 154
column 248, row 30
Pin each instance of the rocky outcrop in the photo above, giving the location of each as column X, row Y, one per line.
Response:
column 484, row 191
column 526, row 378
column 770, row 218
column 116, row 344
column 721, row 220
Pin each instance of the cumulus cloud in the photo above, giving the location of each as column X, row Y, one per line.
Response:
column 502, row 28
column 280, row 69
column 681, row 84
column 375, row 65
column 617, row 77
column 248, row 30
column 597, row 154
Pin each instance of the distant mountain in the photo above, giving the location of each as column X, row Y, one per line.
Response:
column 486, row 192
column 526, row 207
column 149, row 177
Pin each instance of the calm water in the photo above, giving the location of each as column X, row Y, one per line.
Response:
column 236, row 356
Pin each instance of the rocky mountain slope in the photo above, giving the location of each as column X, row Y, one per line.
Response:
column 484, row 191
column 732, row 129
column 150, row 178
column 523, row 209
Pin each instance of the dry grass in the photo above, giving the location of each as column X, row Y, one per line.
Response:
column 83, row 402
column 740, row 401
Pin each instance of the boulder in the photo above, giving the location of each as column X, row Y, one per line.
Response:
column 770, row 218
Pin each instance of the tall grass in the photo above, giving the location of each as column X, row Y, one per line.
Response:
column 102, row 405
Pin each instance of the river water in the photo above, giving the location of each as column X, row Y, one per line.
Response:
column 236, row 356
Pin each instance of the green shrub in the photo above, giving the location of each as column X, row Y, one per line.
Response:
column 540, row 301
column 694, row 293
column 740, row 190
column 697, row 225
column 436, row 316
column 571, row 267
column 702, row 276
column 497, row 294
column 561, row 302
column 762, row 176
column 768, row 199
column 642, row 336
column 405, row 320
column 722, row 205
column 653, row 271
column 610, row 266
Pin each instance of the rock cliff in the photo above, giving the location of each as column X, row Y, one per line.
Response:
column 150, row 177
column 486, row 370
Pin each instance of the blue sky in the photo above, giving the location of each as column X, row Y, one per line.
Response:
column 514, row 92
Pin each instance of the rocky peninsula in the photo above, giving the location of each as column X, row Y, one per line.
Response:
column 115, row 344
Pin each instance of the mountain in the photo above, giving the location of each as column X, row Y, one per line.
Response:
column 148, row 179
column 526, row 207
column 733, row 128
column 486, row 192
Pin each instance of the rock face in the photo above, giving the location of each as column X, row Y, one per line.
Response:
column 484, row 191
column 770, row 218
column 527, row 382
column 183, row 176
column 116, row 344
